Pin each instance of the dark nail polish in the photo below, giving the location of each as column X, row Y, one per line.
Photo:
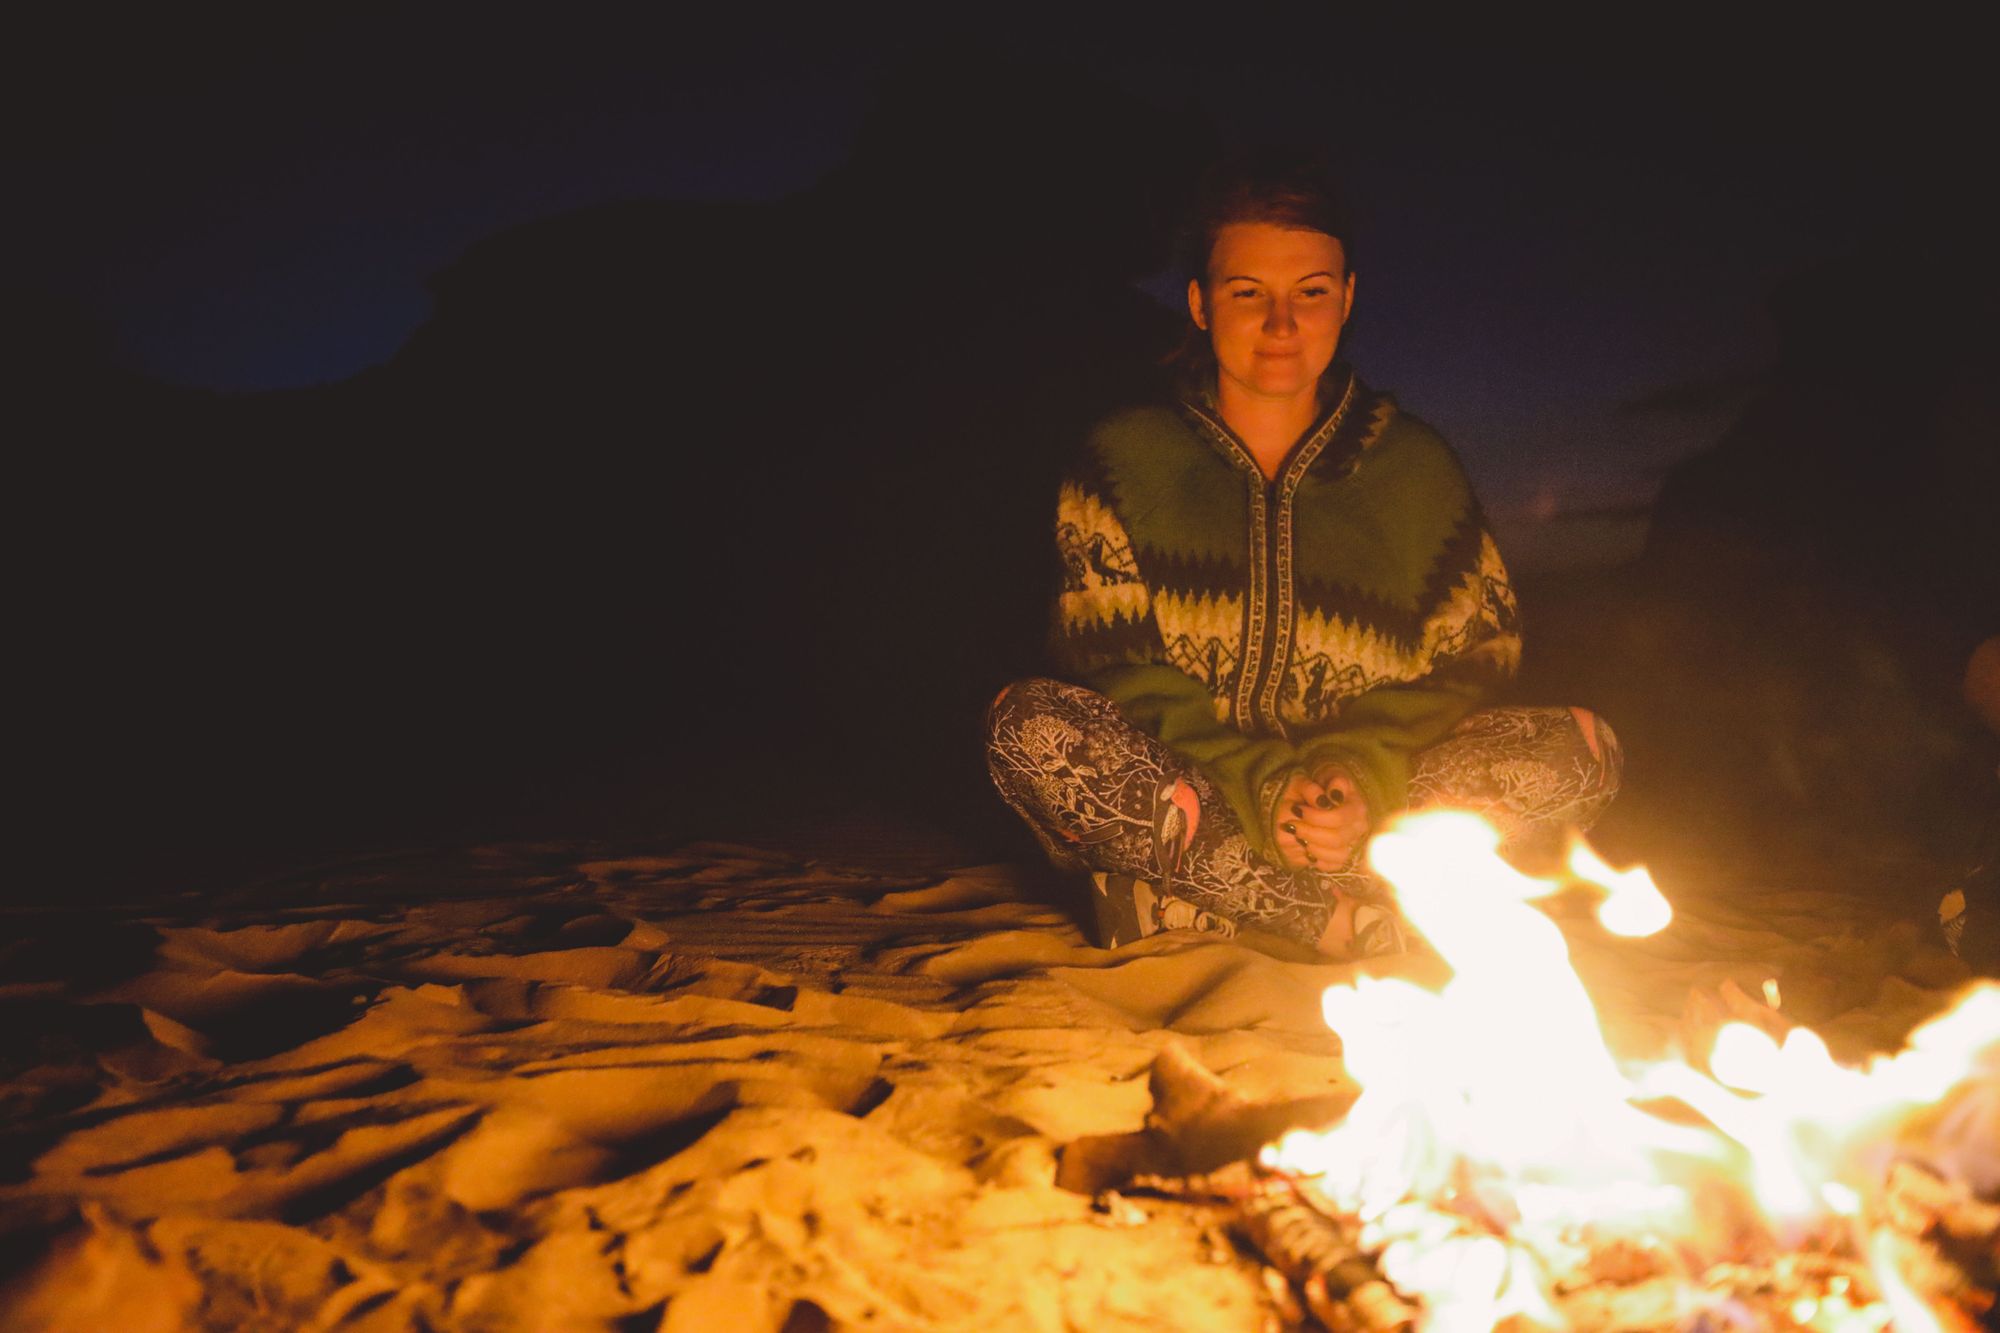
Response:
column 1298, row 808
column 1291, row 828
column 1328, row 800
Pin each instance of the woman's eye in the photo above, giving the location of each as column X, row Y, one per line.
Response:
column 1314, row 291
column 1244, row 293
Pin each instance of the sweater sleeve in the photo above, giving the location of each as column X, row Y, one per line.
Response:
column 1103, row 634
column 1474, row 643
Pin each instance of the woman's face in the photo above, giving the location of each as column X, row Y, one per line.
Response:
column 1274, row 304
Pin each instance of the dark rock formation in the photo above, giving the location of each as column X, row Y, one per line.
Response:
column 696, row 503
column 1785, row 659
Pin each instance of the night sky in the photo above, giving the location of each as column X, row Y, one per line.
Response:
column 1556, row 223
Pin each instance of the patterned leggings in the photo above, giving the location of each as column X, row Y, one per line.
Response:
column 1166, row 851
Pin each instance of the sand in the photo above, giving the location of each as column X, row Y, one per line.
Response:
column 553, row 1087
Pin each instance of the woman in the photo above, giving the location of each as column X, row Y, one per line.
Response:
column 1279, row 616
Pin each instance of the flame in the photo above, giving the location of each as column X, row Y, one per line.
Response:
column 1496, row 1133
column 1633, row 905
column 1906, row 1308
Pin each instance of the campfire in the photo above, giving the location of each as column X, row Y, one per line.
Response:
column 1505, row 1167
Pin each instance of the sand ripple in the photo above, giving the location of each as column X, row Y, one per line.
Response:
column 542, row 1088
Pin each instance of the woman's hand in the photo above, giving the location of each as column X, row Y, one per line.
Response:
column 1322, row 819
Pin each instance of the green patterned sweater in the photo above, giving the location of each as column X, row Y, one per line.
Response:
column 1351, row 611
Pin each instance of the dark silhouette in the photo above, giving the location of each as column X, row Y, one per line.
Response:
column 675, row 513
column 671, row 509
column 1786, row 657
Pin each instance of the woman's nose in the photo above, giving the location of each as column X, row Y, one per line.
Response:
column 1278, row 319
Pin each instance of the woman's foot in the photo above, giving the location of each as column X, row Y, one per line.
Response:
column 1128, row 908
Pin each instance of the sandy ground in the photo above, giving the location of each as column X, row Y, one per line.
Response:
column 722, row 1087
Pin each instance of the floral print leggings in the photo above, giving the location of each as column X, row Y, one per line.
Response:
column 1165, row 851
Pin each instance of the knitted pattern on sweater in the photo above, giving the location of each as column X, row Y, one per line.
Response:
column 1352, row 610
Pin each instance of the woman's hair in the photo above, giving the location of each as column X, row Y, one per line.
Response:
column 1286, row 186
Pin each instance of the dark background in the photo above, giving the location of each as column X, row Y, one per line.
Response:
column 448, row 426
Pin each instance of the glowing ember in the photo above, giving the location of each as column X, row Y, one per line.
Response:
column 1496, row 1140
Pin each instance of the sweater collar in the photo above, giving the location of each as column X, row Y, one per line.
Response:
column 1339, row 390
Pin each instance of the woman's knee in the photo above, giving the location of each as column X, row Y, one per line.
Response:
column 1010, row 698
column 1019, row 700
column 1602, row 743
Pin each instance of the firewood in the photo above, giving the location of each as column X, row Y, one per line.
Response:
column 1322, row 1256
column 1333, row 1314
column 1283, row 1299
column 1232, row 1183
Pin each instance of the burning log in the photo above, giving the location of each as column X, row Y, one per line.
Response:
column 1321, row 1254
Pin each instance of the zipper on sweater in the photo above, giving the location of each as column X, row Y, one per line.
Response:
column 1270, row 525
column 1263, row 634
column 1268, row 647
column 1256, row 602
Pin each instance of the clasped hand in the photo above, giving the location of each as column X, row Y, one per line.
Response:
column 1322, row 819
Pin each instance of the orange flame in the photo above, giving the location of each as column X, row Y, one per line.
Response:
column 1494, row 1123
